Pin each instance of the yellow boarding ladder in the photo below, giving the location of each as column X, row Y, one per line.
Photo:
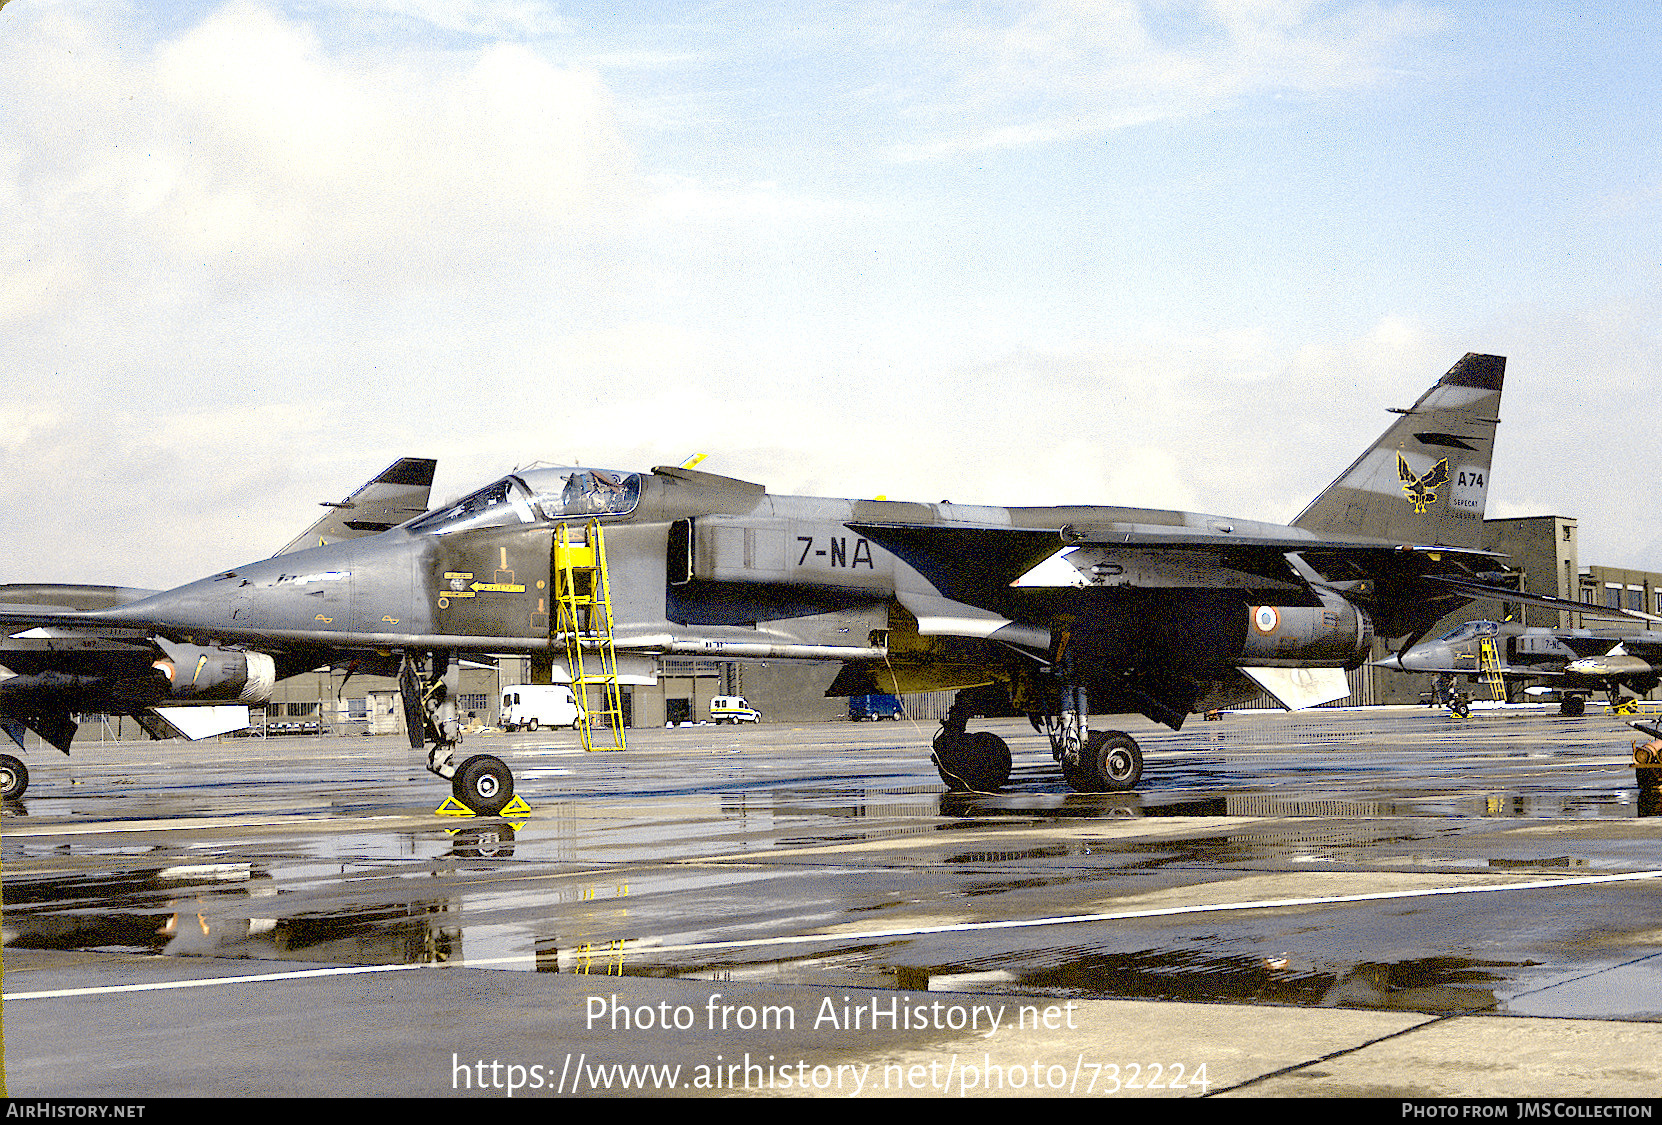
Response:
column 1491, row 669
column 583, row 594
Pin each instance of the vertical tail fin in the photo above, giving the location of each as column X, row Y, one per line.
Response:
column 1426, row 480
column 397, row 494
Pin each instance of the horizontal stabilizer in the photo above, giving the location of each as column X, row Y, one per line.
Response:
column 1297, row 689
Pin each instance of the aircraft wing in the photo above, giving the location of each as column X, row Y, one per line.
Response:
column 1474, row 590
column 1636, row 660
column 968, row 564
column 1406, row 588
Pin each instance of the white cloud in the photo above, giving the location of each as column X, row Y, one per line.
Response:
column 1060, row 69
column 243, row 152
column 255, row 261
column 490, row 19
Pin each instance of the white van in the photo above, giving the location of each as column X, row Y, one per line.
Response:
column 733, row 709
column 529, row 706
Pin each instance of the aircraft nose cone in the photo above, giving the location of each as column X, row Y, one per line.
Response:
column 1424, row 658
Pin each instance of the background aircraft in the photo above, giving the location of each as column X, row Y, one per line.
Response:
column 1157, row 613
column 1573, row 662
column 175, row 689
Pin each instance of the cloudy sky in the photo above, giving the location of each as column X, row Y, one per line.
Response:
column 1151, row 252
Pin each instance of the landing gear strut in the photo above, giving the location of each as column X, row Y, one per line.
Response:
column 429, row 684
column 1104, row 761
column 977, row 762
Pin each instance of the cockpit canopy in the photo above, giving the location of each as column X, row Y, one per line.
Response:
column 1470, row 630
column 533, row 494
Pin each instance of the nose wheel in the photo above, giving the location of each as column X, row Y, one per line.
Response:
column 14, row 777
column 484, row 784
column 429, row 685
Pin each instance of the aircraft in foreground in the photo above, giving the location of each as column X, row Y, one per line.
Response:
column 1059, row 613
column 1573, row 662
column 173, row 688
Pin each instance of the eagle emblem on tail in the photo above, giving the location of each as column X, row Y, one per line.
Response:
column 1422, row 490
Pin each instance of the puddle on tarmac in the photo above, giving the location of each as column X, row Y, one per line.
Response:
column 1632, row 990
column 1615, row 803
column 220, row 915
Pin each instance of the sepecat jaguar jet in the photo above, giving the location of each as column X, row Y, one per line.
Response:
column 1623, row 661
column 1058, row 613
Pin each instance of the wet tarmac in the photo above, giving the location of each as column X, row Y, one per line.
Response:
column 1336, row 902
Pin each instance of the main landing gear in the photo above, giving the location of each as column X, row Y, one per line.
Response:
column 979, row 761
column 1103, row 761
column 428, row 684
column 968, row 762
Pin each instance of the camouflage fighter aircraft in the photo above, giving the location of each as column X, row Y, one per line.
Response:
column 175, row 689
column 1057, row 613
column 1573, row 662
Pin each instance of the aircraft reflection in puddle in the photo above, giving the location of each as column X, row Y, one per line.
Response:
column 231, row 910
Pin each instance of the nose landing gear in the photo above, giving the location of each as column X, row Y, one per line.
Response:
column 428, row 685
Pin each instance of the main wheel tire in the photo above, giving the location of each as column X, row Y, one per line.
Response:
column 991, row 761
column 14, row 777
column 484, row 784
column 973, row 763
column 1080, row 779
column 532, row 726
column 1573, row 705
column 1111, row 762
